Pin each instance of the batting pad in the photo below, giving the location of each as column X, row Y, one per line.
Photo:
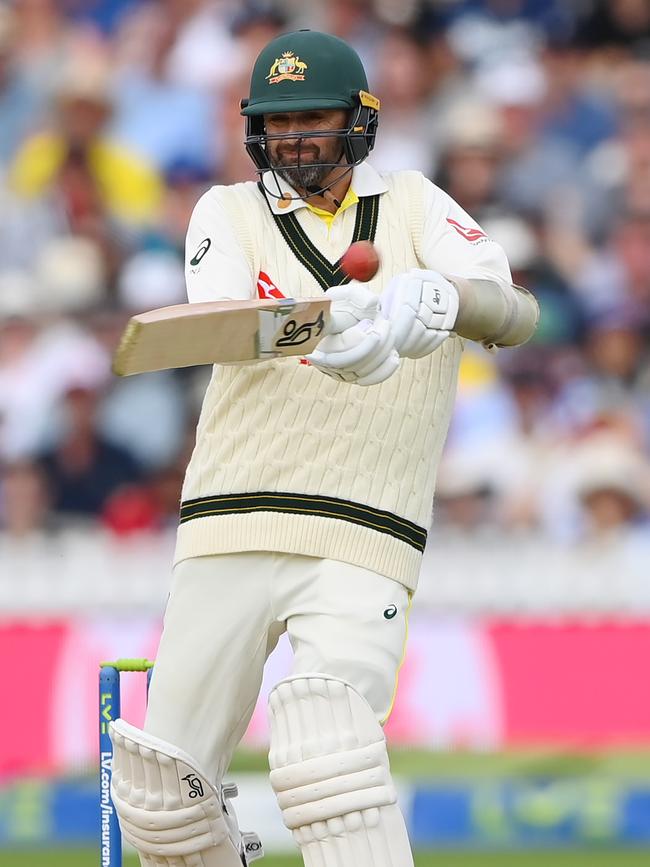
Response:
column 330, row 773
column 167, row 808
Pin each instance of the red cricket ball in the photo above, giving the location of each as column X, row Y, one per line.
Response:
column 360, row 261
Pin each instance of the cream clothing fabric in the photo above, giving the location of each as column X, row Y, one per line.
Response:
column 225, row 615
column 287, row 459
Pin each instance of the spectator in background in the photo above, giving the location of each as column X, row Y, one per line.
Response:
column 92, row 179
column 616, row 25
column 83, row 469
column 404, row 85
column 617, row 172
column 470, row 159
column 354, row 21
column 147, row 415
column 43, row 41
column 613, row 489
column 21, row 103
column 105, row 15
column 38, row 363
column 185, row 183
column 573, row 111
column 466, row 495
column 164, row 120
column 204, row 53
column 24, row 502
column 614, row 384
column 254, row 26
column 539, row 176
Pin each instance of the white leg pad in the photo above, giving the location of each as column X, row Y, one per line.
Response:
column 331, row 776
column 167, row 808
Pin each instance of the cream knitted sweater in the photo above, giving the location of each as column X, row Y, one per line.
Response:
column 288, row 459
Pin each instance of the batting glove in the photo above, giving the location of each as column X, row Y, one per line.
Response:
column 351, row 304
column 422, row 307
column 362, row 354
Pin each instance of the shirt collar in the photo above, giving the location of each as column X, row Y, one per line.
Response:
column 366, row 181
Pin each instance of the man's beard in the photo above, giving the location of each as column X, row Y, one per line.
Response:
column 306, row 176
column 303, row 177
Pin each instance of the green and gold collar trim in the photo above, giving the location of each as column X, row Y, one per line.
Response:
column 326, row 273
column 307, row 504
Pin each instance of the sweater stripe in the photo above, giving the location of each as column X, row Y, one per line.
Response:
column 324, row 507
column 325, row 272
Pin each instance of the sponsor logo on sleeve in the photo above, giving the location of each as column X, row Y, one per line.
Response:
column 266, row 288
column 204, row 246
column 470, row 233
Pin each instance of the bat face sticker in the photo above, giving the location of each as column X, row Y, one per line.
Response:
column 294, row 335
column 204, row 246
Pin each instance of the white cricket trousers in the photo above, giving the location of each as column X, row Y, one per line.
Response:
column 224, row 616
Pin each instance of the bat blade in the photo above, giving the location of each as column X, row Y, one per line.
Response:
column 220, row 332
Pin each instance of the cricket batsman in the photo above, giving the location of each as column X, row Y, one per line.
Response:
column 309, row 492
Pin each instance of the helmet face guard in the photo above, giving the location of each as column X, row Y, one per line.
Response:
column 357, row 140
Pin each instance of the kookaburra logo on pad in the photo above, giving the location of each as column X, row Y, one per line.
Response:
column 294, row 335
column 195, row 784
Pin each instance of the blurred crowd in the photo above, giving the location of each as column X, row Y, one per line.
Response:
column 116, row 115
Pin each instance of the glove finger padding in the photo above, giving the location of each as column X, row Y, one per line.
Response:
column 381, row 373
column 426, row 343
column 351, row 304
column 363, row 354
column 382, row 351
column 400, row 303
column 349, row 348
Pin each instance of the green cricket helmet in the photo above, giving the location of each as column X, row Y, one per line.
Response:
column 306, row 71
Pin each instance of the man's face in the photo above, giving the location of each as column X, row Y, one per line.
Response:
column 296, row 159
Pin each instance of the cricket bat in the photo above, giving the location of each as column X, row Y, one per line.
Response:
column 232, row 332
column 220, row 332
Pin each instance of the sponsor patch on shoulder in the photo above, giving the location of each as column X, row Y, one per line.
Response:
column 266, row 288
column 469, row 233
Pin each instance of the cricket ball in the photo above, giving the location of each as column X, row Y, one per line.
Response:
column 360, row 261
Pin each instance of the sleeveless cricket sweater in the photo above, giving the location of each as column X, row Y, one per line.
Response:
column 288, row 459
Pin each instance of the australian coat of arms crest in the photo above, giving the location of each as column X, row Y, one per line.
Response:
column 289, row 67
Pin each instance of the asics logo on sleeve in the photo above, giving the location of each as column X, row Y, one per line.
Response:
column 204, row 246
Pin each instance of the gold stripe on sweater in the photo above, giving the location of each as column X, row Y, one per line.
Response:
column 306, row 504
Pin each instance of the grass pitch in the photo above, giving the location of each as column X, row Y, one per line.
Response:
column 630, row 764
column 588, row 858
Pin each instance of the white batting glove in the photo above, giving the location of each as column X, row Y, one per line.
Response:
column 351, row 303
column 362, row 354
column 422, row 307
